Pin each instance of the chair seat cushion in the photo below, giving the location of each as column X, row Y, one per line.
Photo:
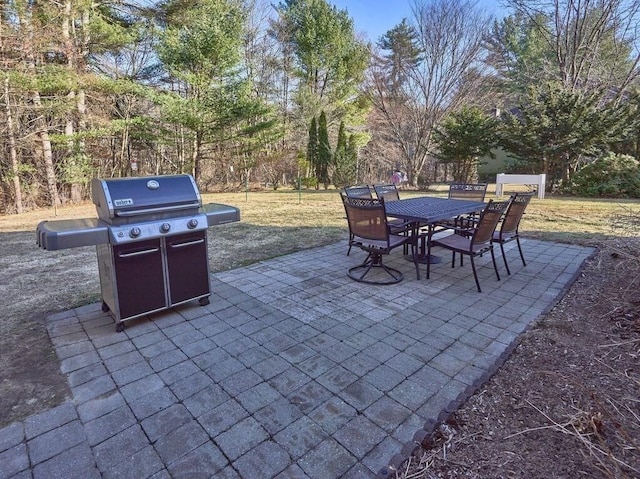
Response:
column 504, row 237
column 394, row 240
column 458, row 242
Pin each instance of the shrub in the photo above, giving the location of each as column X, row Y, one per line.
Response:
column 613, row 176
column 306, row 182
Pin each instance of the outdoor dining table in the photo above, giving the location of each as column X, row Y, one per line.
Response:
column 427, row 211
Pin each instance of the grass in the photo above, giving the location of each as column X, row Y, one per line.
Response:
column 283, row 221
column 565, row 219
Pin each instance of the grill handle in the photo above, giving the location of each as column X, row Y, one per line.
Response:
column 162, row 209
column 186, row 243
column 138, row 253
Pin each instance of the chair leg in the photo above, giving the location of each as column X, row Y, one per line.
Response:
column 475, row 273
column 414, row 254
column 428, row 241
column 504, row 257
column 520, row 249
column 495, row 265
column 374, row 260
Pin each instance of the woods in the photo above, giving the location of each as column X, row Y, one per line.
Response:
column 240, row 92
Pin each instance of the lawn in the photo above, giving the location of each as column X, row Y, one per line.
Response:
column 278, row 222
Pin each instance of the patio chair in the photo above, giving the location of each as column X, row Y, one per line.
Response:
column 362, row 191
column 388, row 192
column 508, row 230
column 370, row 231
column 466, row 191
column 473, row 241
column 396, row 225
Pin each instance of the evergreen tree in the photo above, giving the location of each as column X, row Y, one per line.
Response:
column 403, row 54
column 312, row 145
column 556, row 128
column 202, row 50
column 324, row 151
column 352, row 155
column 329, row 59
column 462, row 138
column 344, row 173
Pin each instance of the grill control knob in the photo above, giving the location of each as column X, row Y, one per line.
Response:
column 165, row 227
column 192, row 223
column 135, row 232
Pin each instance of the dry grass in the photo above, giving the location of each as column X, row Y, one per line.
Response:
column 559, row 217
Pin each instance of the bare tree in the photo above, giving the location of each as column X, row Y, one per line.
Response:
column 11, row 140
column 594, row 42
column 449, row 37
column 42, row 133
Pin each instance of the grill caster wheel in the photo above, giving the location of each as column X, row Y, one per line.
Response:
column 119, row 327
column 204, row 301
column 105, row 307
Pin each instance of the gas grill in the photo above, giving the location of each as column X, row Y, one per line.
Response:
column 151, row 241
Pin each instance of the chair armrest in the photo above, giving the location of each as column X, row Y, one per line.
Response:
column 398, row 229
column 456, row 229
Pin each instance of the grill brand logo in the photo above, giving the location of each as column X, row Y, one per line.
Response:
column 123, row 202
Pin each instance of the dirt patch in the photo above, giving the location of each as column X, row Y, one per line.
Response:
column 32, row 283
column 565, row 404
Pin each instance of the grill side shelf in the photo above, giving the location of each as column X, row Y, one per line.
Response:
column 218, row 213
column 62, row 234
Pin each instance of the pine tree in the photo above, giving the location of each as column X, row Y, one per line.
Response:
column 463, row 138
column 324, row 151
column 404, row 54
column 345, row 170
column 312, row 145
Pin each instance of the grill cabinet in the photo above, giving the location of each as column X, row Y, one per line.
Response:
column 151, row 241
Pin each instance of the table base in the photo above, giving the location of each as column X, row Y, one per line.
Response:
column 423, row 259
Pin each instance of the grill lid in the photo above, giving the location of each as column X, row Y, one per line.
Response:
column 144, row 196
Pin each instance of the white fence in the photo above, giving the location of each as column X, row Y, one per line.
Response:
column 537, row 180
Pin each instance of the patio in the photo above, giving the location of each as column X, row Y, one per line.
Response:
column 292, row 371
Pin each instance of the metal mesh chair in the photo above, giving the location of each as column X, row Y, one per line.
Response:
column 368, row 230
column 362, row 191
column 508, row 230
column 388, row 192
column 473, row 241
column 467, row 191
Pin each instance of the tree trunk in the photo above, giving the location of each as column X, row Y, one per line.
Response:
column 197, row 146
column 40, row 122
column 15, row 169
column 42, row 134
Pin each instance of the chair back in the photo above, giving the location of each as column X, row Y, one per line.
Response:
column 366, row 217
column 362, row 191
column 513, row 215
column 489, row 219
column 467, row 191
column 388, row 192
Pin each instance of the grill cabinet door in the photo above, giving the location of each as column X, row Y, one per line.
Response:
column 187, row 266
column 140, row 277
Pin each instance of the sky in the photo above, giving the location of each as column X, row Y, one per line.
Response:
column 373, row 18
